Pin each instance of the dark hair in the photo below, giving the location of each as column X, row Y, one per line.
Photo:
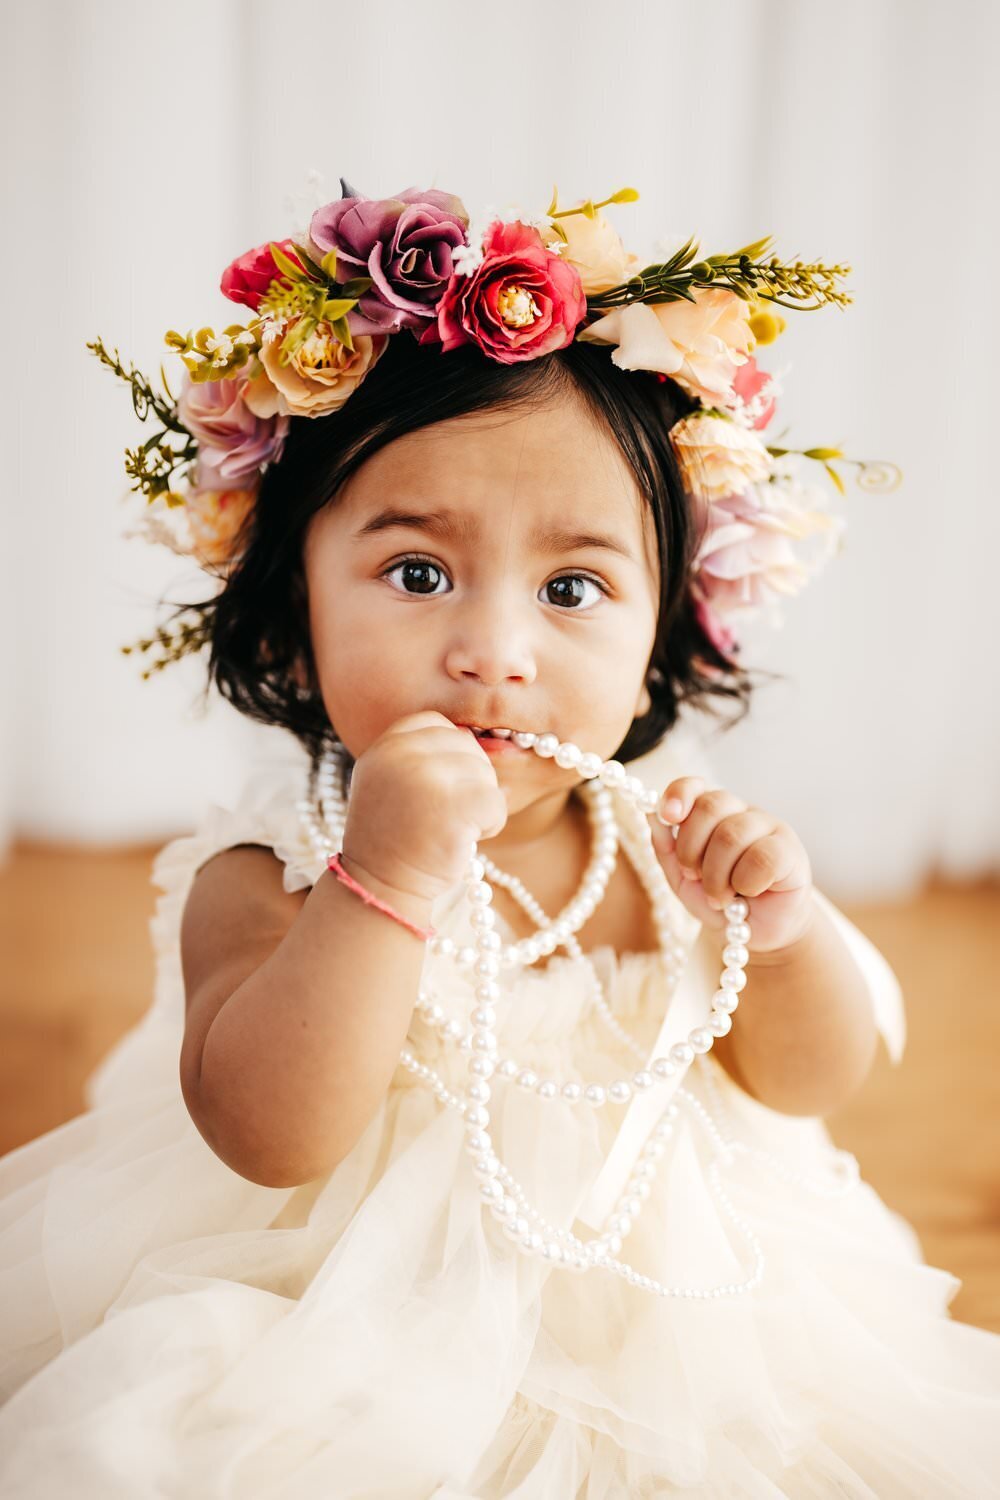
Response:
column 257, row 625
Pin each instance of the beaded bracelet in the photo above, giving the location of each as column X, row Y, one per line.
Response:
column 334, row 865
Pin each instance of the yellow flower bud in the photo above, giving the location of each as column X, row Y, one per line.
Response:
column 766, row 326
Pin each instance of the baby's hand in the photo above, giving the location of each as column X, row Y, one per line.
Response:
column 726, row 849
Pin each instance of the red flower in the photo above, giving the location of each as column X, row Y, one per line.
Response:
column 249, row 276
column 520, row 302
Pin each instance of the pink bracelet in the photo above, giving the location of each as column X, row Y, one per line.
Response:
column 336, row 868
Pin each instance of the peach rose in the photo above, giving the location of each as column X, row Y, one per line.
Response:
column 699, row 344
column 593, row 246
column 319, row 377
column 719, row 457
column 214, row 520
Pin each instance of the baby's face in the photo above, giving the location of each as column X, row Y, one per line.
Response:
column 492, row 624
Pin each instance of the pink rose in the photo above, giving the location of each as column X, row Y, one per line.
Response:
column 521, row 301
column 247, row 278
column 763, row 545
column 233, row 442
column 751, row 387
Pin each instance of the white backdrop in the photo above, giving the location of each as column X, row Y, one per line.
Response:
column 144, row 148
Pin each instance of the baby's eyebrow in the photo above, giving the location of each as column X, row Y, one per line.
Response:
column 451, row 526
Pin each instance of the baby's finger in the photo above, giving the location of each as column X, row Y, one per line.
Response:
column 696, row 830
column 678, row 799
column 732, row 837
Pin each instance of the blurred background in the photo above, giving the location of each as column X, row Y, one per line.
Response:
column 144, row 149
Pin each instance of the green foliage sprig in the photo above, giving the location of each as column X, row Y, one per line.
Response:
column 171, row 449
column 190, row 636
column 309, row 294
column 742, row 272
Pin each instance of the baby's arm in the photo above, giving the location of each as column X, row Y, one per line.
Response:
column 297, row 1008
column 804, row 1035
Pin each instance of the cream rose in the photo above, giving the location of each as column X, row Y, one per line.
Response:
column 719, row 457
column 699, row 344
column 594, row 248
column 319, row 377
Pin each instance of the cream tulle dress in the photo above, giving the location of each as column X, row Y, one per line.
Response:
column 172, row 1330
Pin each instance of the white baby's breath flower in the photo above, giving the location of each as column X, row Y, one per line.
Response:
column 301, row 206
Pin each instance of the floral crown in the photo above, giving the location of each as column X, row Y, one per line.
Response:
column 326, row 303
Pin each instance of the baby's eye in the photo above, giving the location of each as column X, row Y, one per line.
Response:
column 421, row 571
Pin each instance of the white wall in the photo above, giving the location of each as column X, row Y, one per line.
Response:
column 145, row 147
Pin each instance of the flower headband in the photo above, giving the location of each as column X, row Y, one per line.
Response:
column 325, row 305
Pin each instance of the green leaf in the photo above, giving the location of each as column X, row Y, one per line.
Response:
column 308, row 261
column 329, row 264
column 835, row 477
column 356, row 286
column 338, row 307
column 758, row 248
column 343, row 333
column 289, row 267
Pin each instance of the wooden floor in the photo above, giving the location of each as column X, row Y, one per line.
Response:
column 76, row 972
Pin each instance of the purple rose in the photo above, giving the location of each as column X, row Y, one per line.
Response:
column 233, row 443
column 404, row 244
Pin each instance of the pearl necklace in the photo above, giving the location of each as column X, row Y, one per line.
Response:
column 520, row 1222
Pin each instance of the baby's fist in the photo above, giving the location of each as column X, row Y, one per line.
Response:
column 723, row 849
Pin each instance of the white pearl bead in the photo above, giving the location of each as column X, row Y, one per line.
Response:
column 568, row 756
column 682, row 1053
column 516, row 1228
column 719, row 1024
column 594, row 1094
column 620, row 1091
column 546, row 746
column 736, row 910
column 639, row 1188
column 664, row 1067
column 572, row 1092
column 480, row 894
column 551, row 1252
column 526, row 1079
column 736, row 954
column 589, row 765
column 466, row 956
column 738, row 932
column 482, row 917
column 484, row 1015
column 487, row 967
column 725, row 1000
column 479, row 1091
column 524, row 738
column 643, row 1080
column 633, row 786
column 508, row 1068
column 613, row 773
column 620, row 1224
column 547, row 1090
column 631, row 1205
column 476, row 1115
column 732, row 979
column 477, row 1141
column 701, row 1039
column 653, row 1149
column 491, row 1190
column 613, row 1243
